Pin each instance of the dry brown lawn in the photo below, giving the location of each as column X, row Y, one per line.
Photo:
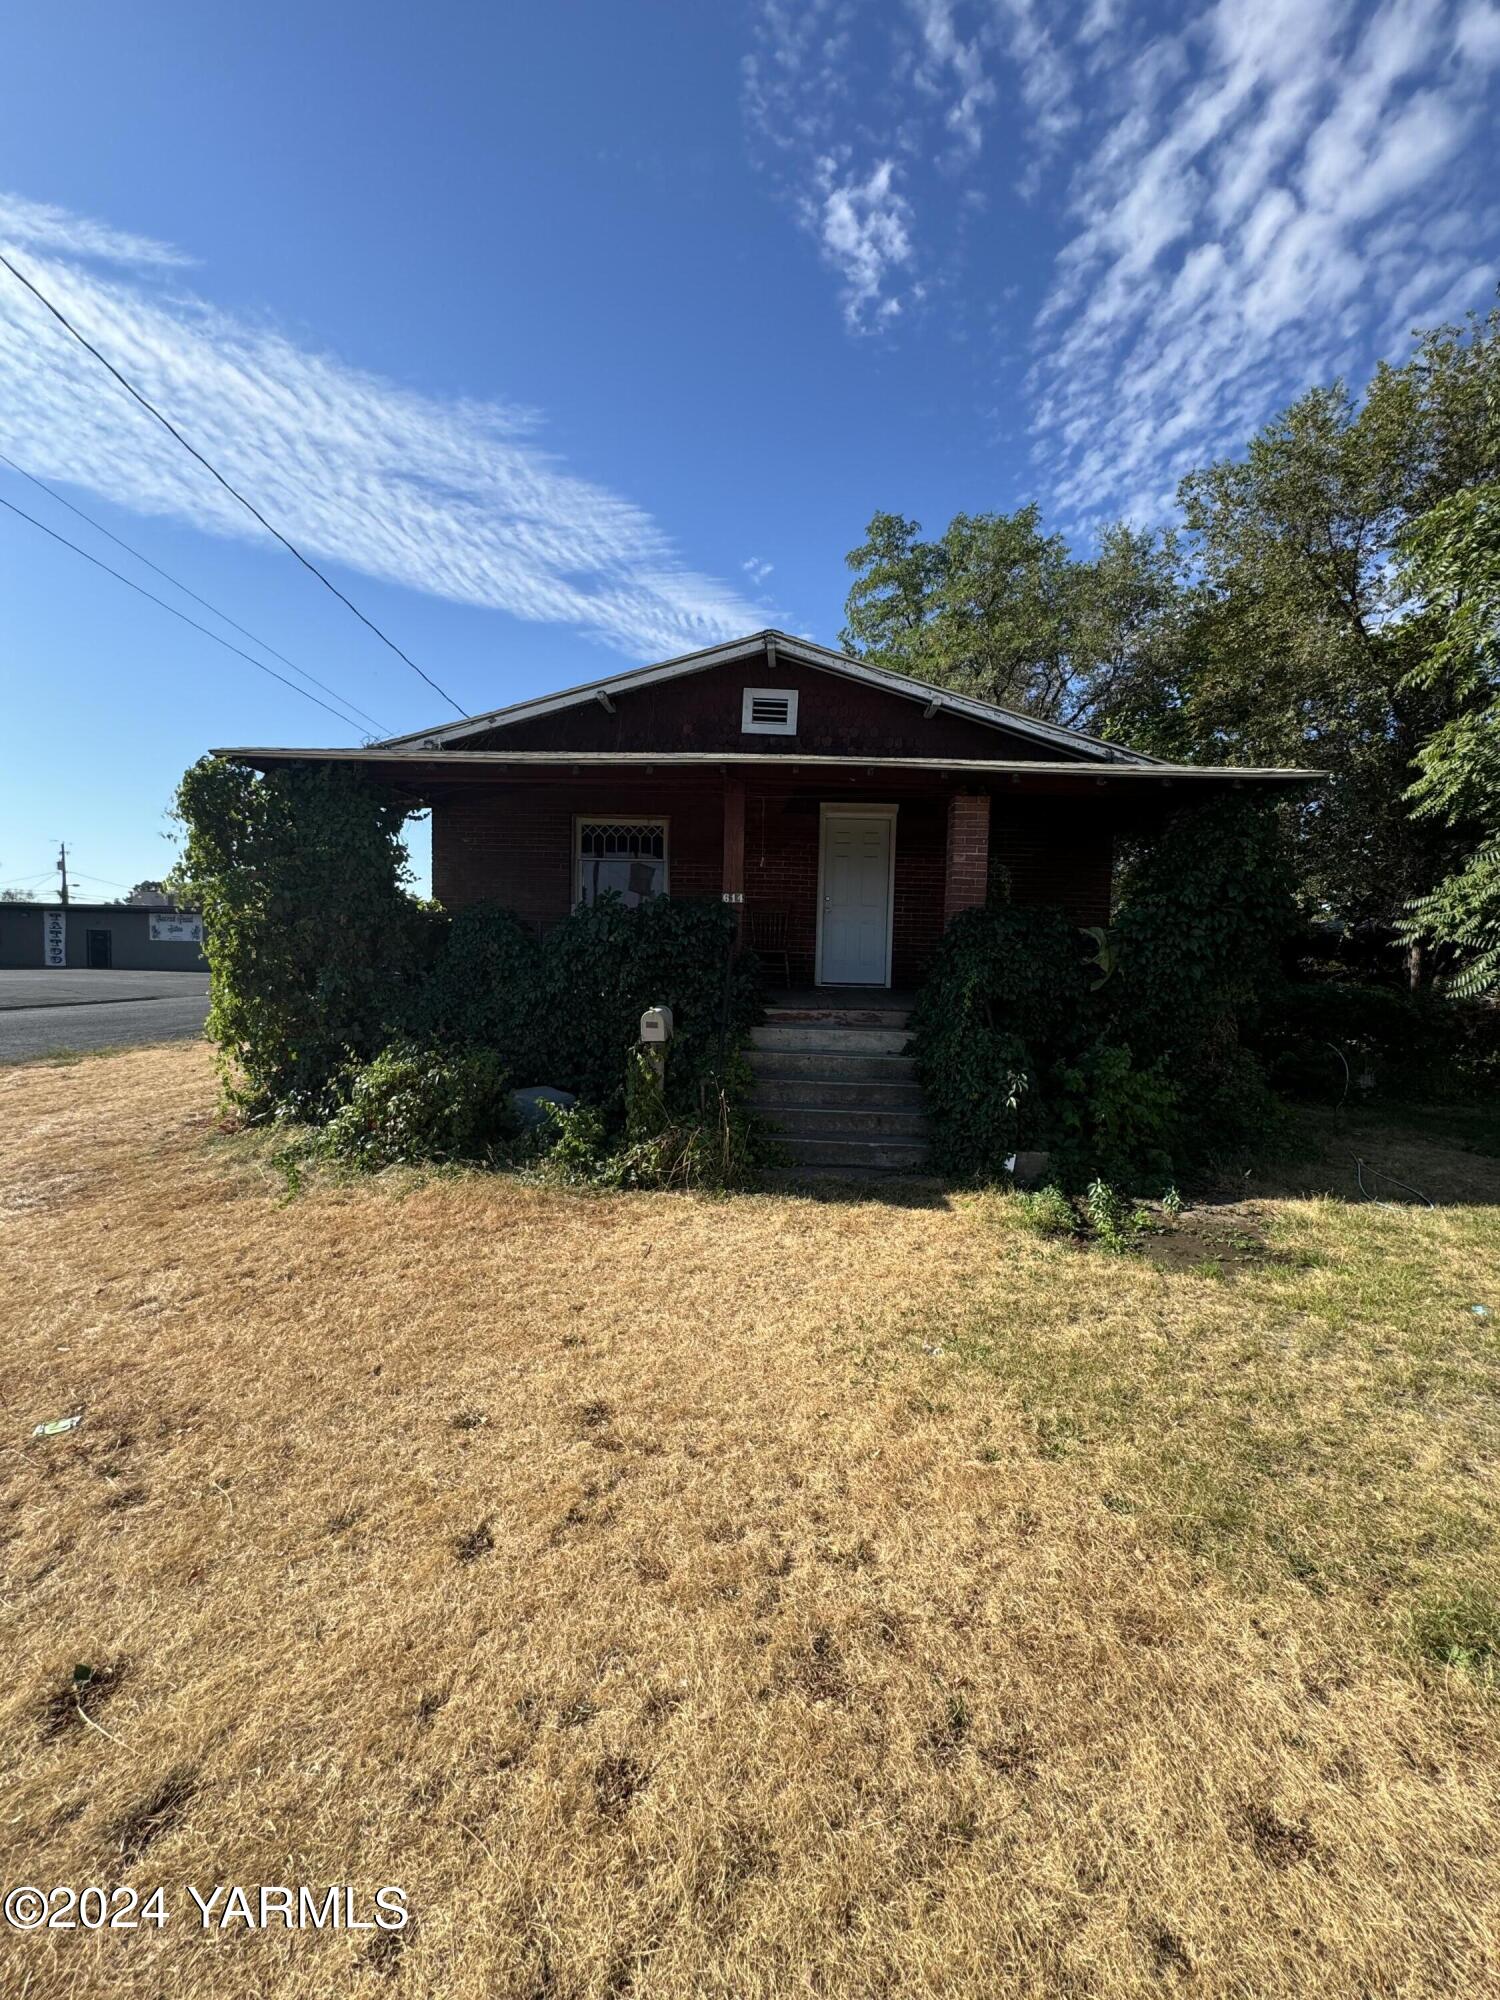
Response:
column 738, row 1598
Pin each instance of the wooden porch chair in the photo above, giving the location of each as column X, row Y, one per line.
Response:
column 767, row 925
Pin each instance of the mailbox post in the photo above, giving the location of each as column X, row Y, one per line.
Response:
column 656, row 1032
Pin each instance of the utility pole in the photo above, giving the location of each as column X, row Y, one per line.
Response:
column 62, row 869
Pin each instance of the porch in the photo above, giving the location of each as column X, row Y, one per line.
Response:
column 844, row 878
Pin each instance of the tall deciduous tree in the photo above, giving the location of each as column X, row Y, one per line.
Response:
column 997, row 608
column 1278, row 625
column 1453, row 560
column 1309, row 630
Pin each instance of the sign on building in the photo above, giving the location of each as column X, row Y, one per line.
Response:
column 175, row 927
column 54, row 937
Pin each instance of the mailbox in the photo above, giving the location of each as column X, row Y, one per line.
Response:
column 656, row 1026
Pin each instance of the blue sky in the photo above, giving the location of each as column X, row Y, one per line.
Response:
column 570, row 337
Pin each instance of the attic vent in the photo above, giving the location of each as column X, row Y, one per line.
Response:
column 769, row 712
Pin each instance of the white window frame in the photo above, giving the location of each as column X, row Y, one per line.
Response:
column 581, row 820
column 749, row 727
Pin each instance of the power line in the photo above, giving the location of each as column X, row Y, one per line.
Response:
column 108, row 880
column 146, row 404
column 120, row 542
column 131, row 584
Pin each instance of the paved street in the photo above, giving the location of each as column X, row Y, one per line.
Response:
column 42, row 1011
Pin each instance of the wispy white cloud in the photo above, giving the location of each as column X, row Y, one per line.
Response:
column 1026, row 36
column 851, row 108
column 756, row 569
column 839, row 179
column 1256, row 196
column 456, row 499
column 37, row 225
column 1277, row 188
column 1479, row 33
column 864, row 229
column 951, row 59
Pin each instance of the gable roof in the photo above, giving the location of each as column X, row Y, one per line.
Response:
column 770, row 644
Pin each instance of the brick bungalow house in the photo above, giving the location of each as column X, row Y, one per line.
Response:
column 847, row 813
column 851, row 811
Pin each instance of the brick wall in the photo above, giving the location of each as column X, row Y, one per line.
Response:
column 1048, row 851
column 513, row 844
column 966, row 854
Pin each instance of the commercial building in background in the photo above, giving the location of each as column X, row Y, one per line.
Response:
column 102, row 937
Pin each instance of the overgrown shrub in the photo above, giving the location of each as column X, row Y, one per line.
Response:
column 603, row 966
column 315, row 947
column 1001, row 1005
column 1116, row 1222
column 1411, row 1044
column 567, row 1009
column 485, row 988
column 1112, row 1120
column 419, row 1101
column 1047, row 1211
column 1203, row 908
column 1100, row 1215
column 1122, row 1057
column 716, row 1149
column 320, row 959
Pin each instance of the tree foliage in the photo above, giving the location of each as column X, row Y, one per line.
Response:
column 997, row 609
column 313, row 942
column 1453, row 561
column 1324, row 599
column 321, row 961
column 1134, row 1077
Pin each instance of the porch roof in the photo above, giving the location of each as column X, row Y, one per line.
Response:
column 419, row 766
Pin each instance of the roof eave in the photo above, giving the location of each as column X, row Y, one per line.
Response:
column 786, row 761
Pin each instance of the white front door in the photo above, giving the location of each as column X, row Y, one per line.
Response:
column 854, row 923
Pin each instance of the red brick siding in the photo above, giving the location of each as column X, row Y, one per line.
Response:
column 514, row 845
column 967, row 854
column 506, row 848
column 782, row 831
column 921, row 833
column 835, row 717
column 1047, row 852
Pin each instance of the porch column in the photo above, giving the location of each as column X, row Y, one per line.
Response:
column 734, row 849
column 967, row 869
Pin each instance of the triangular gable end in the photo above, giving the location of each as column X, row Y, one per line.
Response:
column 766, row 647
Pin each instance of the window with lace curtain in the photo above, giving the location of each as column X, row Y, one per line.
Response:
column 626, row 855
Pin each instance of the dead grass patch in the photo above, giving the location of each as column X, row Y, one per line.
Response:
column 837, row 1597
column 155, row 1813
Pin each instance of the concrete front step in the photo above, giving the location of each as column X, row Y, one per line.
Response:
column 787, row 1065
column 824, row 1121
column 851, row 1150
column 833, row 1093
column 838, row 1017
column 826, row 1038
column 838, row 1090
